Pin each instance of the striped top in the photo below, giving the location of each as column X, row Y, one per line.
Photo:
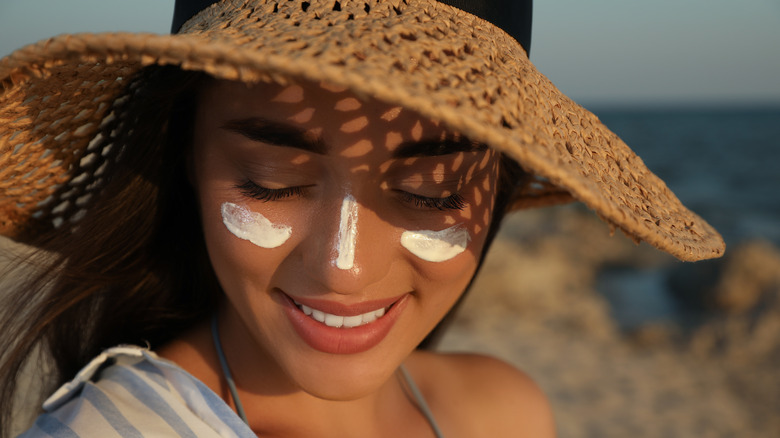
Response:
column 128, row 391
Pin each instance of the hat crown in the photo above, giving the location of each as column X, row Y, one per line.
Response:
column 512, row 16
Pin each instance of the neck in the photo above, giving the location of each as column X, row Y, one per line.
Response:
column 274, row 404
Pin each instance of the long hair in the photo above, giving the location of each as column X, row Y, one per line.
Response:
column 134, row 269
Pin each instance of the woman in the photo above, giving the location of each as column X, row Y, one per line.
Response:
column 279, row 204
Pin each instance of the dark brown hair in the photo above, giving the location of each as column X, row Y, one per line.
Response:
column 134, row 269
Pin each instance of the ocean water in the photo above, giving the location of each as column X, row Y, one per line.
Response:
column 723, row 163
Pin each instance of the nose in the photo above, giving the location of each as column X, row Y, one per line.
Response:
column 348, row 248
column 347, row 234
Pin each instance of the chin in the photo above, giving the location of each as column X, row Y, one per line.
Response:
column 345, row 377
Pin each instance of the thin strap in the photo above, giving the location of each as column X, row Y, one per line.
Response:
column 420, row 400
column 226, row 370
column 418, row 397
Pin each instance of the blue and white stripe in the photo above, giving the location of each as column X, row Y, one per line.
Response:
column 130, row 392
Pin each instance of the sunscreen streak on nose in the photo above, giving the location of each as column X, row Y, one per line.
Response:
column 436, row 246
column 254, row 227
column 345, row 247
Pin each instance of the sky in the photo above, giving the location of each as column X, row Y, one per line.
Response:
column 598, row 52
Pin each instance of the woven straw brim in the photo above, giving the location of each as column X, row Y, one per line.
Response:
column 431, row 58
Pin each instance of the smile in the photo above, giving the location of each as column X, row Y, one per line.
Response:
column 337, row 328
column 338, row 321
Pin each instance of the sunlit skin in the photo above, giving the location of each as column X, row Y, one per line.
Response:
column 355, row 148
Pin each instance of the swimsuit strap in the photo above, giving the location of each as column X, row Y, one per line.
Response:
column 407, row 378
column 419, row 400
column 226, row 370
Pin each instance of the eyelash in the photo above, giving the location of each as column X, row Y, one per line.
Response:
column 453, row 202
column 252, row 190
column 255, row 191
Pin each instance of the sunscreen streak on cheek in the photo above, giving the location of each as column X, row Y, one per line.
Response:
column 436, row 246
column 254, row 227
column 345, row 247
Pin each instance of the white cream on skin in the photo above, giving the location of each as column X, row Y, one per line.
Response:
column 345, row 247
column 436, row 246
column 254, row 227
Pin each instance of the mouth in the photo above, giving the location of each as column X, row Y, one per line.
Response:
column 338, row 321
column 337, row 328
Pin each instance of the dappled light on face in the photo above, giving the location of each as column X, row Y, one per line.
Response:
column 355, row 125
column 333, row 88
column 391, row 114
column 470, row 172
column 438, row 173
column 470, row 176
column 348, row 104
column 304, row 116
column 477, row 196
column 290, row 94
column 315, row 132
column 457, row 163
column 301, row 159
column 364, row 168
column 485, row 162
column 417, row 131
column 393, row 139
column 410, row 171
column 361, row 148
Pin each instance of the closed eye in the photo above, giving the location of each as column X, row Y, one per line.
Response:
column 453, row 202
column 253, row 190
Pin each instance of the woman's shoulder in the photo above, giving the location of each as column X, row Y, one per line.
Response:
column 130, row 391
column 482, row 394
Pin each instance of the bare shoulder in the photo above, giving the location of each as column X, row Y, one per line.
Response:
column 476, row 395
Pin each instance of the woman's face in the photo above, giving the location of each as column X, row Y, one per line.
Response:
column 340, row 230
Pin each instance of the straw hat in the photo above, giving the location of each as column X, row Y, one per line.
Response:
column 424, row 55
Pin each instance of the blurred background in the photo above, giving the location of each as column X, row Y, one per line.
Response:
column 625, row 340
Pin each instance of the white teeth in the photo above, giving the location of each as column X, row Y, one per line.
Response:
column 352, row 321
column 341, row 321
column 333, row 320
column 319, row 316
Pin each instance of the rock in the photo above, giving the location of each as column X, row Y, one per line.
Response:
column 734, row 284
column 751, row 271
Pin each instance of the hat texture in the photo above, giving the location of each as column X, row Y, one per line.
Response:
column 428, row 57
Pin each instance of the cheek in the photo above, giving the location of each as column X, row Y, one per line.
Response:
column 445, row 258
column 436, row 246
column 253, row 226
column 244, row 246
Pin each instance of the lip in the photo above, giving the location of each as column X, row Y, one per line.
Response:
column 335, row 308
column 343, row 340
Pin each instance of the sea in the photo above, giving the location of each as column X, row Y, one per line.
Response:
column 723, row 163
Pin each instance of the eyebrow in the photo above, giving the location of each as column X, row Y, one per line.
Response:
column 277, row 134
column 281, row 134
column 436, row 147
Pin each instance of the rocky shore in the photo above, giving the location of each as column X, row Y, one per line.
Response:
column 625, row 340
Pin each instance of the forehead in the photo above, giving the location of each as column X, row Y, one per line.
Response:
column 336, row 115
